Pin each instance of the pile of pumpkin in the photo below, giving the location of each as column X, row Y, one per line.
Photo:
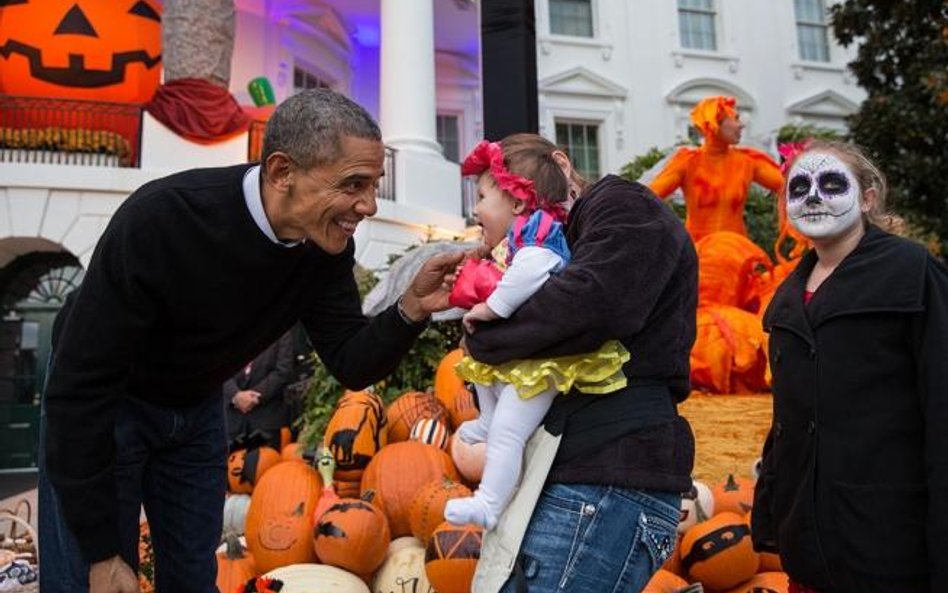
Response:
column 714, row 545
column 366, row 509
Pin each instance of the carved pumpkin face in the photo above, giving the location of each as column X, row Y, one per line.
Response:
column 95, row 50
column 280, row 518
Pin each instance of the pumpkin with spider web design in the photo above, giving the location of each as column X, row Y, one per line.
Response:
column 407, row 409
column 451, row 557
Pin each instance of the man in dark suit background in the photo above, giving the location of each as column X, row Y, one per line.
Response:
column 253, row 397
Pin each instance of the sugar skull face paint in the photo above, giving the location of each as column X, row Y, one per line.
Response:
column 822, row 196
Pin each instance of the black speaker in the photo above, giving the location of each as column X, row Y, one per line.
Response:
column 509, row 67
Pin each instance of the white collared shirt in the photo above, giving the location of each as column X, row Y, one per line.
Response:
column 254, row 202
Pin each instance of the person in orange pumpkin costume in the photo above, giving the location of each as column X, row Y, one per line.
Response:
column 715, row 177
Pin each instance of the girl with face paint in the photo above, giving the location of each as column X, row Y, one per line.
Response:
column 853, row 491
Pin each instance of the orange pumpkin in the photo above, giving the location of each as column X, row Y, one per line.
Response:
column 735, row 495
column 280, row 518
column 353, row 534
column 718, row 552
column 451, row 557
column 407, row 409
column 245, row 467
column 664, row 581
column 427, row 508
column 355, row 433
column 452, row 392
column 765, row 582
column 81, row 49
column 234, row 565
column 430, row 432
column 396, row 475
column 292, row 452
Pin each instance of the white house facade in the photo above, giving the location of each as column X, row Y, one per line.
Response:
column 615, row 77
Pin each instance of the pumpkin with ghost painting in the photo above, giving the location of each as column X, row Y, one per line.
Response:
column 81, row 49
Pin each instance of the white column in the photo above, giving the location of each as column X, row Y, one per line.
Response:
column 407, row 110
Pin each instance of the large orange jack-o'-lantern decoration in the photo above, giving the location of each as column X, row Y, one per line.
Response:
column 93, row 49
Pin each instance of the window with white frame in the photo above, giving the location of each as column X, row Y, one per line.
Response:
column 449, row 136
column 580, row 140
column 812, row 30
column 696, row 24
column 304, row 80
column 571, row 17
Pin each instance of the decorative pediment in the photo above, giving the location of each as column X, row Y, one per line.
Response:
column 690, row 92
column 318, row 20
column 828, row 103
column 583, row 82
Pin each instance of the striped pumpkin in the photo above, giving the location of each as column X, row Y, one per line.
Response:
column 431, row 432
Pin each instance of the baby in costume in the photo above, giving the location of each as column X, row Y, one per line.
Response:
column 522, row 217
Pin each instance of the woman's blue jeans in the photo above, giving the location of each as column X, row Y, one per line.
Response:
column 586, row 538
column 174, row 462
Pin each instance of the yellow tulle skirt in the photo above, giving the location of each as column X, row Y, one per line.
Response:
column 596, row 372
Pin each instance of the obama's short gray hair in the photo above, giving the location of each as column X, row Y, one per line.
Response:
column 309, row 127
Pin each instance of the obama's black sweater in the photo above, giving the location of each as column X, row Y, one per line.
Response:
column 182, row 290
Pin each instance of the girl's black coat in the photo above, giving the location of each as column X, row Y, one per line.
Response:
column 854, row 487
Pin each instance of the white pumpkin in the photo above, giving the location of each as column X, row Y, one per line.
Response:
column 317, row 578
column 404, row 570
column 235, row 513
column 400, row 543
column 696, row 506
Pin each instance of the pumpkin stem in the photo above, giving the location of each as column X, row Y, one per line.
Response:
column 326, row 465
column 235, row 550
column 368, row 495
column 731, row 485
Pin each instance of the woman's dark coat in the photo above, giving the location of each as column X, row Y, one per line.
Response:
column 854, row 486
